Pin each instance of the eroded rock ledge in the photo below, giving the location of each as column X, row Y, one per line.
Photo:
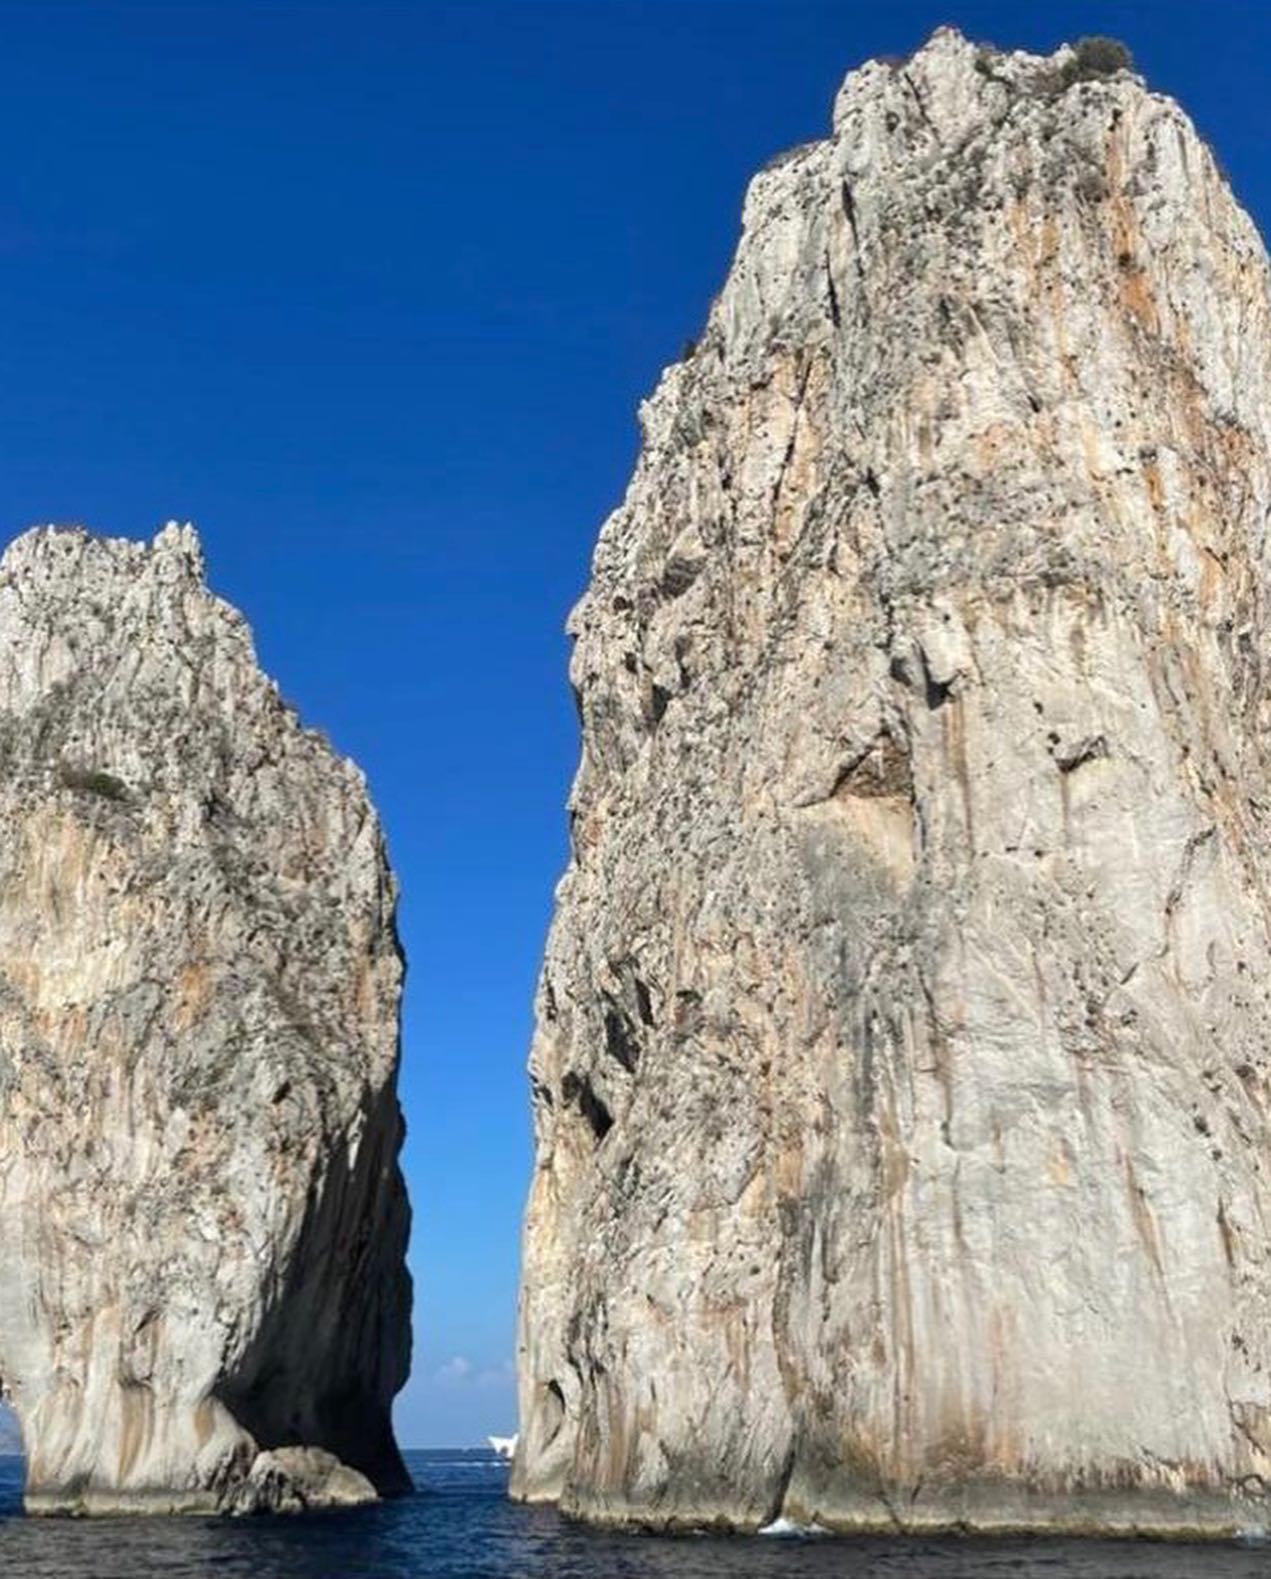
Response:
column 901, row 1071
column 203, row 1297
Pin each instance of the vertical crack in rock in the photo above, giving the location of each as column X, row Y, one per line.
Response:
column 934, row 1196
column 203, row 1296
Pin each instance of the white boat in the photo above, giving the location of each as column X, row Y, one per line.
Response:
column 504, row 1446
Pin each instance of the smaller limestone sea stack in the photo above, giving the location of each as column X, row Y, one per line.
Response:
column 902, row 1075
column 203, row 1297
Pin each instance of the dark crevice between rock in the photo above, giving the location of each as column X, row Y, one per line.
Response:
column 577, row 1091
column 936, row 692
column 836, row 317
column 644, row 1003
column 849, row 213
column 621, row 1040
column 553, row 1412
column 782, row 1488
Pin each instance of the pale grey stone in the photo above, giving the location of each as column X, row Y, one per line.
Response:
column 202, row 1222
column 901, row 1070
column 295, row 1479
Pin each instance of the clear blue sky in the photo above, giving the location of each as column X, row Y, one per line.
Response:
column 371, row 293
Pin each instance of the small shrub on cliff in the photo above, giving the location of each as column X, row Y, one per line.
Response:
column 94, row 782
column 1091, row 59
column 1096, row 57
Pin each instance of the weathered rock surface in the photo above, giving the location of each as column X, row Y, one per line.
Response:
column 294, row 1479
column 901, row 1073
column 202, row 1223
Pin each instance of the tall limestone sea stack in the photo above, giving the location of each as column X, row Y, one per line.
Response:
column 203, row 1299
column 904, row 1039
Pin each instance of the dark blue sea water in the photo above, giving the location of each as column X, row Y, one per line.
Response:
column 460, row 1526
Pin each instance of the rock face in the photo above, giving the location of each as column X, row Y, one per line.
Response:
column 902, row 1067
column 202, row 1223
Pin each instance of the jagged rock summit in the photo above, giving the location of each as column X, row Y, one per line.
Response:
column 203, row 1298
column 901, row 1072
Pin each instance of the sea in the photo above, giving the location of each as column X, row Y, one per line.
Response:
column 460, row 1525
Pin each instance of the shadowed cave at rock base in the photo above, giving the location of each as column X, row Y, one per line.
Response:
column 304, row 1386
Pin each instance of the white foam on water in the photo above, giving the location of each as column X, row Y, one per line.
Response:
column 787, row 1529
